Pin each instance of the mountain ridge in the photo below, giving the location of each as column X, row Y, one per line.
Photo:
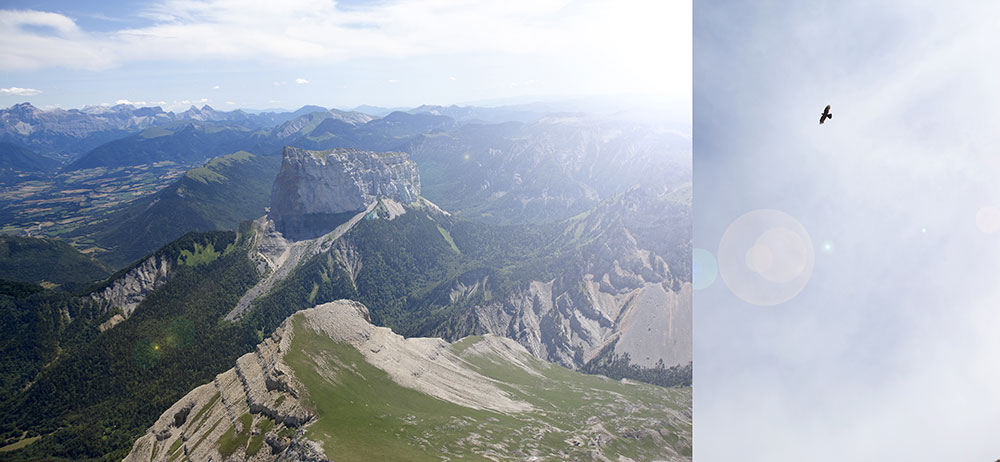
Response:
column 293, row 396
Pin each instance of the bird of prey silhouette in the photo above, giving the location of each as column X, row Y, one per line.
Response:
column 825, row 115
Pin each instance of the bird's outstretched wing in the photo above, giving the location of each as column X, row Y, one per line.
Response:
column 822, row 118
column 827, row 110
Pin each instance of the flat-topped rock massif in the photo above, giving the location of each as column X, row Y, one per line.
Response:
column 317, row 190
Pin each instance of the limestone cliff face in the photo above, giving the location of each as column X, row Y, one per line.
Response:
column 131, row 288
column 626, row 299
column 629, row 292
column 316, row 190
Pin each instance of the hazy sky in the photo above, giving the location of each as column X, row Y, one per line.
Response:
column 891, row 351
column 259, row 54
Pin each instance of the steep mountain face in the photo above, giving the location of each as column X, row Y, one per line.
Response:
column 122, row 293
column 619, row 290
column 277, row 256
column 315, row 189
column 327, row 371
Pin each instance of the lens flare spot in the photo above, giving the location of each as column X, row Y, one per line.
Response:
column 759, row 258
column 766, row 257
column 988, row 219
column 787, row 253
column 704, row 268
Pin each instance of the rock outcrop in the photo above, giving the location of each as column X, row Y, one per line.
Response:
column 423, row 364
column 262, row 386
column 573, row 318
column 234, row 404
column 629, row 293
column 131, row 288
column 277, row 256
column 317, row 190
column 329, row 384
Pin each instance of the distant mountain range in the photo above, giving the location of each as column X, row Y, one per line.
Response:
column 66, row 134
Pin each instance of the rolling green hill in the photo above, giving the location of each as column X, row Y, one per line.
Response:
column 216, row 196
column 42, row 260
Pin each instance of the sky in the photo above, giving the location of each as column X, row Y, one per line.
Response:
column 394, row 53
column 847, row 304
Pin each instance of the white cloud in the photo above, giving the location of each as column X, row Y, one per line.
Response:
column 133, row 103
column 301, row 81
column 230, row 103
column 216, row 87
column 61, row 44
column 633, row 42
column 393, row 80
column 17, row 91
column 452, row 78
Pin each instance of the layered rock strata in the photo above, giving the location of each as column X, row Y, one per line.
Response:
column 317, row 190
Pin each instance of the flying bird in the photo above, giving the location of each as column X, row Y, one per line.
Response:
column 825, row 115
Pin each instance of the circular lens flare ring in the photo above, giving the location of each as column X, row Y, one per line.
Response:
column 704, row 268
column 766, row 257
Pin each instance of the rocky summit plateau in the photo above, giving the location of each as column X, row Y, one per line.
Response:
column 317, row 190
column 328, row 385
